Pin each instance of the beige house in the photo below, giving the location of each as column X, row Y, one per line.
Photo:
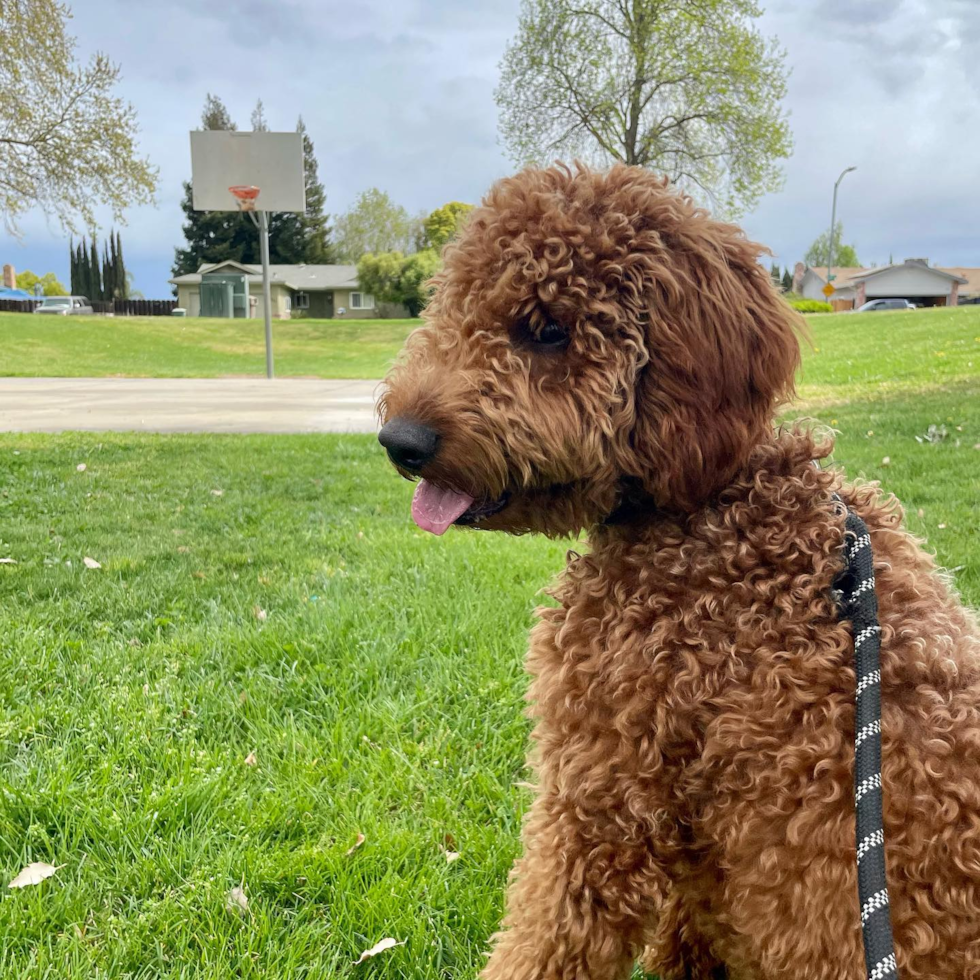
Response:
column 914, row 280
column 234, row 289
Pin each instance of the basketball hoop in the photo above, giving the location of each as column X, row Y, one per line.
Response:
column 246, row 194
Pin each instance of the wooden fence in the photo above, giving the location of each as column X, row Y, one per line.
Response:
column 17, row 305
column 119, row 307
column 135, row 307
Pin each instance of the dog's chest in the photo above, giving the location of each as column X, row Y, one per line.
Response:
column 692, row 668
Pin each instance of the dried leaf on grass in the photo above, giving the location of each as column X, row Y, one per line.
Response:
column 8, row 561
column 360, row 840
column 380, row 947
column 90, row 562
column 260, row 614
column 251, row 760
column 217, row 493
column 452, row 856
column 81, row 468
column 236, row 900
column 34, row 874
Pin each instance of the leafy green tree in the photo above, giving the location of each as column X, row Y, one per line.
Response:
column 690, row 88
column 413, row 284
column 50, row 286
column 67, row 142
column 373, row 224
column 844, row 255
column 775, row 274
column 443, row 223
column 393, row 277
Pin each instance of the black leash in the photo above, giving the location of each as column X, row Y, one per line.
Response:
column 855, row 587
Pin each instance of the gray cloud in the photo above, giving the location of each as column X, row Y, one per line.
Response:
column 855, row 12
column 399, row 95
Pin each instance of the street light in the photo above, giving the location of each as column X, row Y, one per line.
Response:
column 833, row 221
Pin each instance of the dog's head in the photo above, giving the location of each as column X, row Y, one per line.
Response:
column 591, row 335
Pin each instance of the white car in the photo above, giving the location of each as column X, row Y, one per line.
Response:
column 875, row 305
column 65, row 306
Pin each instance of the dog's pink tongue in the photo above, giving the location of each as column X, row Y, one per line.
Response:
column 434, row 508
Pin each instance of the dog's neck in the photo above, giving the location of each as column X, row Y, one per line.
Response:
column 788, row 456
column 633, row 505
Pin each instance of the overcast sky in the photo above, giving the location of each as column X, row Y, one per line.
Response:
column 398, row 94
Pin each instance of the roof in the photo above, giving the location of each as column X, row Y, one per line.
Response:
column 972, row 277
column 301, row 277
column 868, row 273
column 7, row 293
column 841, row 273
column 853, row 275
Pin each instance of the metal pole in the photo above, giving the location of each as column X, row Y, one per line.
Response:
column 266, row 290
column 833, row 221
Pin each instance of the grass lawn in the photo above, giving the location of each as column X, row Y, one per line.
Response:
column 192, row 347
column 270, row 595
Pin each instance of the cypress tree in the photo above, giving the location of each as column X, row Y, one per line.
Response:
column 122, row 284
column 71, row 267
column 111, row 262
column 95, row 271
column 107, row 293
column 316, row 230
column 84, row 281
column 87, row 279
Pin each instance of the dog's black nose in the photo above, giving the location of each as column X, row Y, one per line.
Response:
column 410, row 444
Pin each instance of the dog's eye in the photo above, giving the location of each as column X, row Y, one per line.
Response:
column 550, row 335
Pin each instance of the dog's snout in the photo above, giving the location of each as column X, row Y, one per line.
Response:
column 410, row 445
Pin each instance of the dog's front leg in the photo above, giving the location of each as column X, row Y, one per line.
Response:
column 578, row 896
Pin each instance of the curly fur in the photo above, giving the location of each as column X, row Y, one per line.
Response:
column 693, row 692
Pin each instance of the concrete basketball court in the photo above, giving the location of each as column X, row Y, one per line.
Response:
column 186, row 405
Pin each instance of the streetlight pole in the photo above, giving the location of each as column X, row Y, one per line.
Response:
column 833, row 221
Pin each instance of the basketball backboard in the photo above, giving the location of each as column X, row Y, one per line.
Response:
column 273, row 162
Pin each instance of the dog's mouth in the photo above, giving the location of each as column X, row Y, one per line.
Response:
column 435, row 508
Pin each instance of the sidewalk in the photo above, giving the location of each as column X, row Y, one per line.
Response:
column 186, row 405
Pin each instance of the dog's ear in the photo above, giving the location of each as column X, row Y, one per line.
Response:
column 722, row 350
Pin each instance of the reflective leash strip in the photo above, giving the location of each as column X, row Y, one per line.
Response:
column 855, row 587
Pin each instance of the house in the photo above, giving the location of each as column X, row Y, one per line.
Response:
column 9, row 288
column 234, row 289
column 969, row 293
column 913, row 279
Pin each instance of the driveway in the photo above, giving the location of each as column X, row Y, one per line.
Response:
column 186, row 405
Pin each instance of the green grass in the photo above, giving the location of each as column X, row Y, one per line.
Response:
column 381, row 693
column 193, row 347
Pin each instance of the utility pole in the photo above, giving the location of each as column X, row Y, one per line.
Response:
column 833, row 221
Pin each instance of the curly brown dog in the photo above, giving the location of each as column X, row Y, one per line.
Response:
column 599, row 354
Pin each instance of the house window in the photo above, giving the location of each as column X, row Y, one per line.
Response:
column 301, row 301
column 361, row 301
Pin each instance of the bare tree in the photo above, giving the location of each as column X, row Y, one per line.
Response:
column 686, row 87
column 67, row 143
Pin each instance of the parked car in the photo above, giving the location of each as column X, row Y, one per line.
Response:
column 65, row 306
column 874, row 305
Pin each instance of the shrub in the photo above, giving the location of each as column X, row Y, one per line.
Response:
column 396, row 278
column 810, row 306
